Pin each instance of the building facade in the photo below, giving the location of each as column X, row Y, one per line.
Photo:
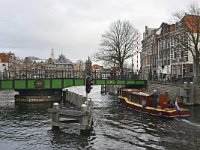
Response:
column 79, row 68
column 164, row 57
column 5, row 64
column 61, row 67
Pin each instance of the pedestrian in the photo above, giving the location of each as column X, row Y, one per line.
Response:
column 176, row 106
column 154, row 96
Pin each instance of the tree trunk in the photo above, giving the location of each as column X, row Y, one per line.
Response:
column 196, row 70
column 121, row 72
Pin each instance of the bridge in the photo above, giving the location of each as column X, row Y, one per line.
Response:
column 60, row 83
column 48, row 86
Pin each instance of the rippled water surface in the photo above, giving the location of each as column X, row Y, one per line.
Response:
column 25, row 127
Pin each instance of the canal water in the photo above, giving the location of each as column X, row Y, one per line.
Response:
column 26, row 126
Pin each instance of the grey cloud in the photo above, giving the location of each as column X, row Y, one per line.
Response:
column 73, row 27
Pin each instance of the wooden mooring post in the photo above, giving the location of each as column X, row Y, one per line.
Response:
column 78, row 117
column 103, row 89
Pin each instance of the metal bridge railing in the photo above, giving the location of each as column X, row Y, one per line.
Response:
column 37, row 74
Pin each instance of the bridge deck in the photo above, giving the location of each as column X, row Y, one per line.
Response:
column 59, row 83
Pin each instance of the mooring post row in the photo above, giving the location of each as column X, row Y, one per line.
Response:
column 75, row 99
column 83, row 112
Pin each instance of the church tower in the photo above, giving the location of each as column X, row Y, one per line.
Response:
column 52, row 54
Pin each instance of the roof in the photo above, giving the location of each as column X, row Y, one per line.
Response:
column 5, row 58
column 192, row 23
column 63, row 60
column 172, row 28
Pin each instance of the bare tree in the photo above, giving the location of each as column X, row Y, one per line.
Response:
column 118, row 44
column 88, row 67
column 190, row 22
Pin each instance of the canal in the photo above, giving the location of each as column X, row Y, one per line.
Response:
column 26, row 126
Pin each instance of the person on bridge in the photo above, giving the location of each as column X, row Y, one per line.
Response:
column 154, row 96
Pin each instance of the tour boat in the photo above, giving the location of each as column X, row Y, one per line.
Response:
column 140, row 100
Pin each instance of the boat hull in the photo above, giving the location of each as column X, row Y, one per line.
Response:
column 166, row 112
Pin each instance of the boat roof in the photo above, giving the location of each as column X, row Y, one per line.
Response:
column 132, row 90
column 141, row 93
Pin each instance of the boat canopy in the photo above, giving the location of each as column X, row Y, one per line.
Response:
column 141, row 93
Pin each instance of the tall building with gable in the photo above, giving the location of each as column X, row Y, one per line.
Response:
column 164, row 56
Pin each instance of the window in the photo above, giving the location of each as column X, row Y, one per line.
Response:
column 175, row 55
column 164, row 44
column 191, row 68
column 182, row 54
column 186, row 58
column 168, row 61
column 172, row 40
column 161, row 45
column 165, row 62
column 168, row 43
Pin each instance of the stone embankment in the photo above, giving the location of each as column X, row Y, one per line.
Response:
column 187, row 92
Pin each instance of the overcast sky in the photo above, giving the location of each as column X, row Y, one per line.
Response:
column 73, row 27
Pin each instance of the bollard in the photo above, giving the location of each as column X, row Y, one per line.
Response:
column 73, row 98
column 83, row 100
column 80, row 101
column 66, row 95
column 55, row 116
column 84, row 119
column 76, row 99
column 70, row 97
column 63, row 96
column 85, row 122
column 84, row 108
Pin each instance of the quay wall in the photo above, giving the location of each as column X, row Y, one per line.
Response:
column 110, row 89
column 187, row 92
column 171, row 89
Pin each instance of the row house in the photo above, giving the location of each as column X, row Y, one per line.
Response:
column 97, row 71
column 5, row 64
column 79, row 68
column 61, row 67
column 12, row 67
column 149, row 52
column 29, row 67
column 164, row 56
column 32, row 67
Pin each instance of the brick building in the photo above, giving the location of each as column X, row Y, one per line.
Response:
column 5, row 62
column 164, row 56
